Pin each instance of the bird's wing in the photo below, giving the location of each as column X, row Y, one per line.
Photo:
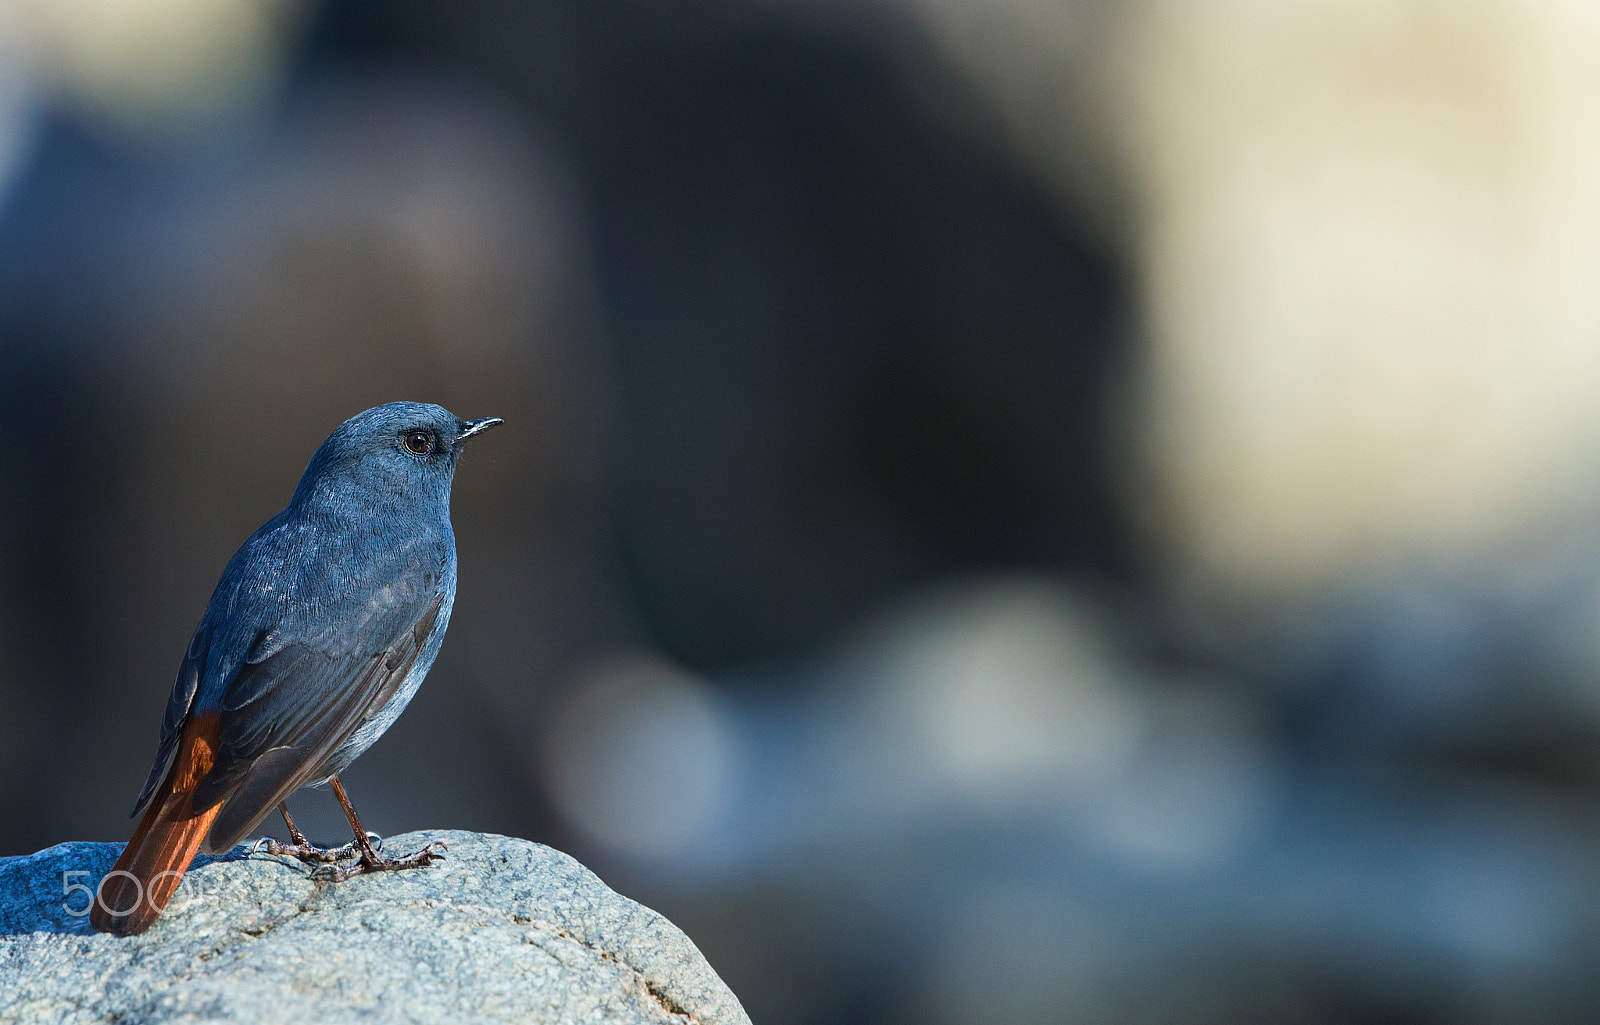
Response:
column 301, row 694
column 293, row 655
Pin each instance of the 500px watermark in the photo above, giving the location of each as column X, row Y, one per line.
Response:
column 92, row 895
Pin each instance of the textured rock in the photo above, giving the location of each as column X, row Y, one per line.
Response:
column 503, row 930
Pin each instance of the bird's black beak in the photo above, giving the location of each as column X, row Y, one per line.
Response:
column 475, row 427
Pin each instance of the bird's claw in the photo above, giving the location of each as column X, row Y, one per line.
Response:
column 306, row 852
column 432, row 852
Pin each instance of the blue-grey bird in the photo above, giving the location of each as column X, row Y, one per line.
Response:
column 317, row 636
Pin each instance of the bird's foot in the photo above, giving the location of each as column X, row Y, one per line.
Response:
column 371, row 861
column 309, row 852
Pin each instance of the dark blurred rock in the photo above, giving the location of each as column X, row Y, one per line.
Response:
column 502, row 930
column 856, row 347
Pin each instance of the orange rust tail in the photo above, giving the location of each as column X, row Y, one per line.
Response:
column 132, row 895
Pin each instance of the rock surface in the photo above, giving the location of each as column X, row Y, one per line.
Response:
column 503, row 930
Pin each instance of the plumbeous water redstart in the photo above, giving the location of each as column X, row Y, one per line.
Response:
column 317, row 636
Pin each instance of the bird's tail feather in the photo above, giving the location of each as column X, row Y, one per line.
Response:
column 133, row 894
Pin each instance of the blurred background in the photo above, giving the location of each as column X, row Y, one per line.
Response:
column 1011, row 510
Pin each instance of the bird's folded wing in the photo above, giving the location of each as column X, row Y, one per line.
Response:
column 284, row 715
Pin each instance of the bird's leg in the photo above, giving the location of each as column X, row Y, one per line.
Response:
column 369, row 859
column 294, row 832
column 302, row 848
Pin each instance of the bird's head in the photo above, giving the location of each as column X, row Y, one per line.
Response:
column 403, row 449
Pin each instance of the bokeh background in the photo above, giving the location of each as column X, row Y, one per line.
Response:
column 1011, row 510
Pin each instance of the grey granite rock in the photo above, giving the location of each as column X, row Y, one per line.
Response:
column 503, row 930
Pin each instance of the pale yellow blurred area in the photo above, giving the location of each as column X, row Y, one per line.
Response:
column 1365, row 233
column 1369, row 261
column 150, row 64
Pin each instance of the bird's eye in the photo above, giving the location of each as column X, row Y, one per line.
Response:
column 419, row 443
